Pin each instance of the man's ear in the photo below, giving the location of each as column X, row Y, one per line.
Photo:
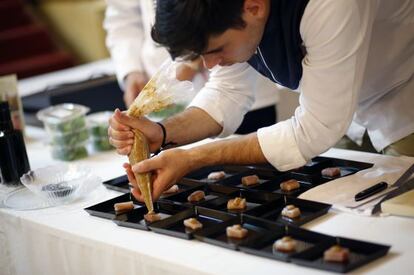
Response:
column 255, row 9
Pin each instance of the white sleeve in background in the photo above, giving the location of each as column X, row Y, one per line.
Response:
column 125, row 36
column 336, row 34
column 228, row 95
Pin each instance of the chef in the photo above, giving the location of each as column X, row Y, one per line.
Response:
column 352, row 61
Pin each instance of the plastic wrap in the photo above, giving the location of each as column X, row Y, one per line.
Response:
column 161, row 91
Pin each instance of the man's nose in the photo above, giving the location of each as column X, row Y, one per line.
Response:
column 211, row 61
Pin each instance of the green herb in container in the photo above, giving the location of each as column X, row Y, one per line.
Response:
column 98, row 127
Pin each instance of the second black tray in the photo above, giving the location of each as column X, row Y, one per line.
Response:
column 306, row 182
column 173, row 226
column 304, row 239
column 254, row 199
column 347, row 167
column 106, row 209
column 212, row 192
column 135, row 219
column 310, row 210
column 257, row 229
column 360, row 253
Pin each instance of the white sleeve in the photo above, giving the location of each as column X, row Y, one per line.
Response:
column 125, row 36
column 336, row 34
column 228, row 95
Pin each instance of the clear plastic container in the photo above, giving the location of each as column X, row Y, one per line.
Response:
column 66, row 128
column 69, row 153
column 63, row 118
column 61, row 183
column 98, row 124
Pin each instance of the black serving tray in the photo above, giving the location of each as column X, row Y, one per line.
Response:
column 310, row 210
column 236, row 180
column 360, row 253
column 184, row 184
column 254, row 199
column 317, row 164
column 265, row 168
column 173, row 226
column 258, row 229
column 106, row 209
column 306, row 182
column 135, row 219
column 212, row 191
column 121, row 184
column 305, row 240
column 230, row 170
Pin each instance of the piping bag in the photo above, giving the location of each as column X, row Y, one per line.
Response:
column 161, row 91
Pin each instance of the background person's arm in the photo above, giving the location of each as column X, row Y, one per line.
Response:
column 125, row 36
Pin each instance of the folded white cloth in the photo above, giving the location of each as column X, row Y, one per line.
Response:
column 341, row 192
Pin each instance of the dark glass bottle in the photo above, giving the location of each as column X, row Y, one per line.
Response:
column 13, row 156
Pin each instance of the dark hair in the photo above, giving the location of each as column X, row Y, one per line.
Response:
column 184, row 26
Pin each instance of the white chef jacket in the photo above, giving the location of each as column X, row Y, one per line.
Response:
column 128, row 24
column 358, row 67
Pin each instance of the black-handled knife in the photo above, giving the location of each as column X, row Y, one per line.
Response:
column 371, row 191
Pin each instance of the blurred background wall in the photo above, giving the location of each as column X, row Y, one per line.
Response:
column 47, row 35
column 41, row 36
column 78, row 23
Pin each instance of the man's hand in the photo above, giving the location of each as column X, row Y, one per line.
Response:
column 134, row 83
column 171, row 165
column 121, row 135
column 167, row 169
column 191, row 125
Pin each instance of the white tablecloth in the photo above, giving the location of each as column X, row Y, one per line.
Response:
column 66, row 240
